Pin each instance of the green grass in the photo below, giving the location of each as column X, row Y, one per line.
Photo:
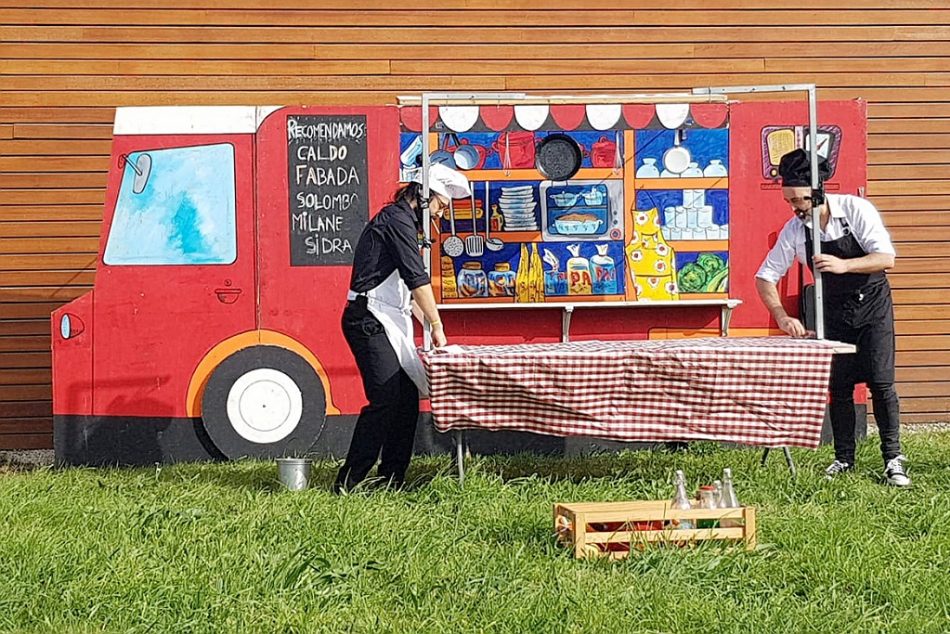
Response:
column 220, row 547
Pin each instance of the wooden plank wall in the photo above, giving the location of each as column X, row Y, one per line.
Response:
column 66, row 64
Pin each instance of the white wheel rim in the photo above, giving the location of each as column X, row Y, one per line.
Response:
column 264, row 406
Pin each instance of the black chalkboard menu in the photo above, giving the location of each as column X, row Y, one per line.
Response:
column 329, row 187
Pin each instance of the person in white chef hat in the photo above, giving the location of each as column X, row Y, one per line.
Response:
column 388, row 284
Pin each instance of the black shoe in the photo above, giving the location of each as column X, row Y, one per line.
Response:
column 836, row 468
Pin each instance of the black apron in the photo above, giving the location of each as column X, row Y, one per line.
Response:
column 859, row 311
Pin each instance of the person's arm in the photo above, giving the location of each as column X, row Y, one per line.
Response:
column 870, row 263
column 869, row 230
column 768, row 293
column 424, row 299
column 416, row 311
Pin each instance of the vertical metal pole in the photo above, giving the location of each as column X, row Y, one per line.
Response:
column 460, row 456
column 789, row 461
column 815, row 215
column 426, row 252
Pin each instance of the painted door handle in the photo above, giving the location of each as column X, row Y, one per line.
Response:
column 227, row 295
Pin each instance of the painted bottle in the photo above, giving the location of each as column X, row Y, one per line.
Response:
column 537, row 275
column 522, row 278
column 578, row 272
column 555, row 280
column 449, row 287
column 604, row 272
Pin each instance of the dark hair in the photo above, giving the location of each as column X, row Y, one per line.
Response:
column 411, row 192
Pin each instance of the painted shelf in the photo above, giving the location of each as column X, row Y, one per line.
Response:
column 688, row 246
column 681, row 183
column 586, row 173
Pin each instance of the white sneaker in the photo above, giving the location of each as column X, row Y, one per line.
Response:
column 894, row 472
column 837, row 467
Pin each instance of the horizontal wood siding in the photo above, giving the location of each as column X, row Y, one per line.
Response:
column 65, row 65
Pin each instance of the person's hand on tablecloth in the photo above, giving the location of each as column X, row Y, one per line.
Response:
column 792, row 326
column 438, row 335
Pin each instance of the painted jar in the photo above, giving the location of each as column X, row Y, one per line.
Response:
column 501, row 281
column 472, row 280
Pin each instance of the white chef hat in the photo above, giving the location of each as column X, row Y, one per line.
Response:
column 446, row 181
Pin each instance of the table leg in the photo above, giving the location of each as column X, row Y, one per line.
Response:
column 566, row 323
column 725, row 316
column 788, row 459
column 459, row 456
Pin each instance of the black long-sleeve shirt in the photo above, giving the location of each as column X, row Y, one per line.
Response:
column 388, row 242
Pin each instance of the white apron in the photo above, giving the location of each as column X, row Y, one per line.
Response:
column 390, row 303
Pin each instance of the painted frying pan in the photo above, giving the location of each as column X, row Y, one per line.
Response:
column 558, row 157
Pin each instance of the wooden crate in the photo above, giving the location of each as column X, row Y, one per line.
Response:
column 613, row 529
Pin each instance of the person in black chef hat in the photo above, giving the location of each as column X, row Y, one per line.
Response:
column 856, row 250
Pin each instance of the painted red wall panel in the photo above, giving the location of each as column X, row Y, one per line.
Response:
column 306, row 302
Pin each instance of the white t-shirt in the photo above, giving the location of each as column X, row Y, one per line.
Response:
column 848, row 214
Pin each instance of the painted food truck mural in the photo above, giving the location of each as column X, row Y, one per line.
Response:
column 212, row 330
column 581, row 203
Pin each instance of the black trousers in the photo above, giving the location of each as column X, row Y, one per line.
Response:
column 386, row 427
column 872, row 331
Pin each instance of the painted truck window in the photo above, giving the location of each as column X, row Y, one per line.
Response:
column 175, row 206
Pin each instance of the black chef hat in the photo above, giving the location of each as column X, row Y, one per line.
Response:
column 795, row 169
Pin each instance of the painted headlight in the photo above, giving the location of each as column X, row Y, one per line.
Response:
column 70, row 326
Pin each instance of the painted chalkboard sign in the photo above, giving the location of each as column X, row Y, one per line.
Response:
column 329, row 194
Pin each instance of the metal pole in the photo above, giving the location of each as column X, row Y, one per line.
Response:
column 815, row 215
column 460, row 456
column 426, row 250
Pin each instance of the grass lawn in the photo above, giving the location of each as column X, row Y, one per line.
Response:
column 220, row 547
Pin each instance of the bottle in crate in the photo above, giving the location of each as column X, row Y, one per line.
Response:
column 707, row 500
column 728, row 498
column 681, row 500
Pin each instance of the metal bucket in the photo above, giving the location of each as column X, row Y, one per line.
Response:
column 294, row 473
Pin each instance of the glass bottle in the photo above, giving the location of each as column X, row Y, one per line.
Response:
column 681, row 500
column 728, row 499
column 707, row 500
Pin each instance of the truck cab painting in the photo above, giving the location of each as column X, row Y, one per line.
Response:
column 212, row 330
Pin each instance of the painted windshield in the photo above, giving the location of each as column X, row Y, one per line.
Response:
column 175, row 206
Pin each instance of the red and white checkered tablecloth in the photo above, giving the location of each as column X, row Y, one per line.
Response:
column 765, row 391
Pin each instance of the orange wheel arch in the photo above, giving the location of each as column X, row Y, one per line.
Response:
column 226, row 348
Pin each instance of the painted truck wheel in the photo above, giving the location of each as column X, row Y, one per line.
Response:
column 263, row 402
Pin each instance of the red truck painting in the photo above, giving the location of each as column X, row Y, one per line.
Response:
column 212, row 330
